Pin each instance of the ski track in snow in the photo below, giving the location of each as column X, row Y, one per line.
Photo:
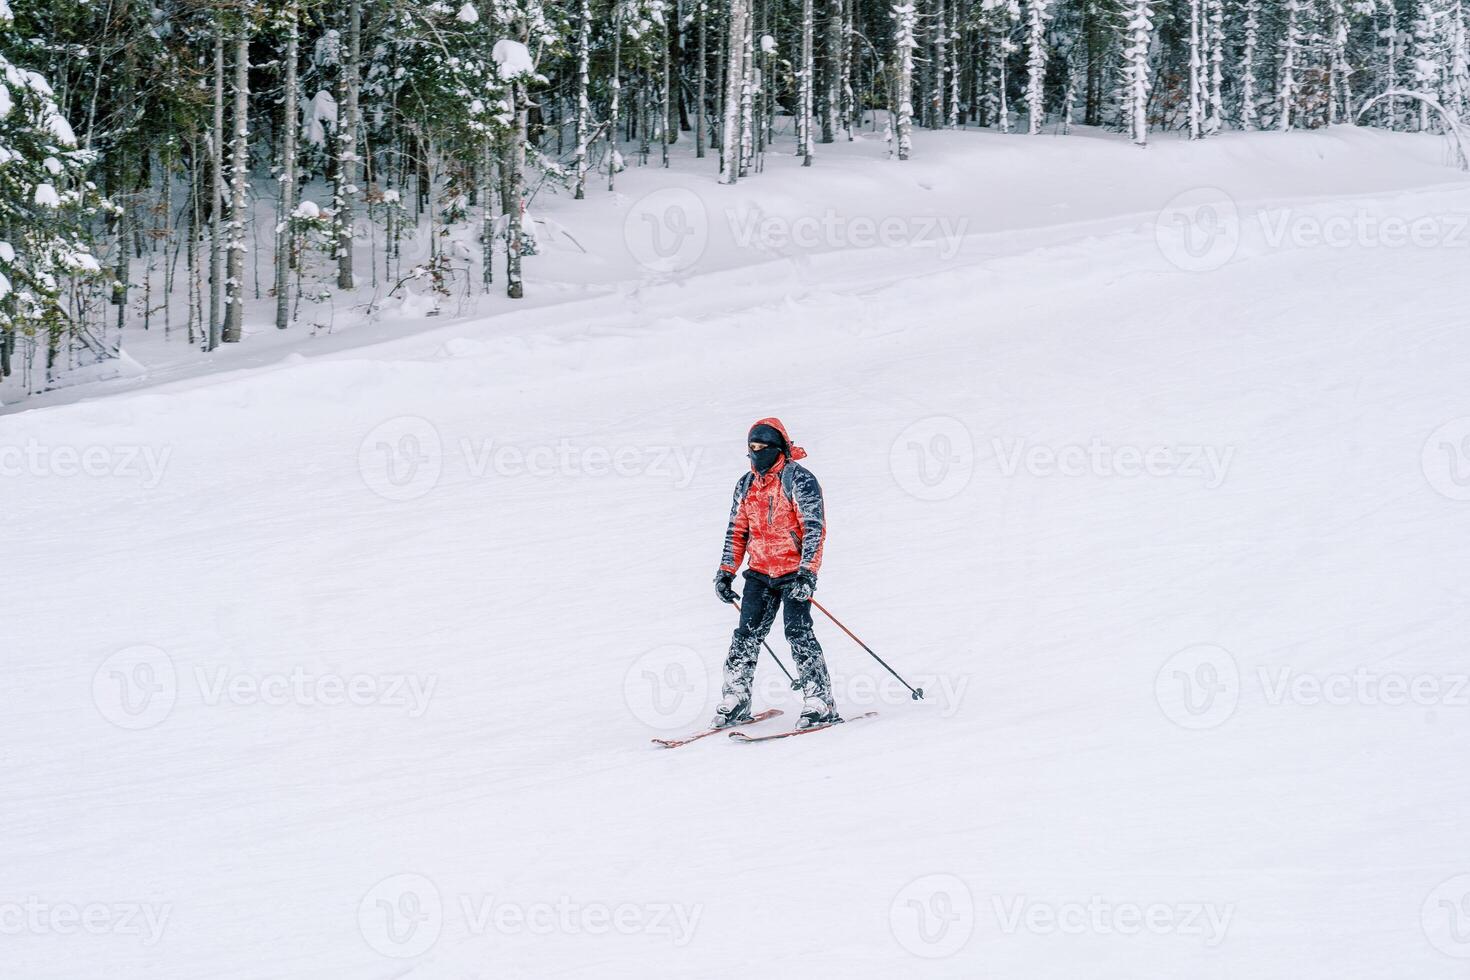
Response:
column 1050, row 773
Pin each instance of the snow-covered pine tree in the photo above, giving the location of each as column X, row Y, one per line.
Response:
column 1425, row 48
column 1249, row 48
column 1137, row 81
column 956, row 38
column 44, row 204
column 1038, row 12
column 1457, row 61
column 1215, row 22
column 1292, row 34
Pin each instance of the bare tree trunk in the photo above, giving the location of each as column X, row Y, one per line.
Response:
column 665, row 108
column 288, row 169
column 832, row 98
column 702, row 12
column 904, row 42
column 515, row 161
column 487, row 218
column 584, row 44
column 239, row 200
column 734, row 76
column 806, row 92
column 617, row 91
column 217, row 192
column 347, row 142
column 124, row 248
column 1196, row 70
column 747, row 97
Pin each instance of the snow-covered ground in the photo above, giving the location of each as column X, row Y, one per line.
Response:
column 1148, row 467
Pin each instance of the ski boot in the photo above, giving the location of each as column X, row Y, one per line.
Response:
column 815, row 711
column 733, row 710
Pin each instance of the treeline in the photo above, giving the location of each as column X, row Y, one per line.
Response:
column 144, row 145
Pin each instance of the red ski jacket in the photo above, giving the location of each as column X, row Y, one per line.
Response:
column 777, row 520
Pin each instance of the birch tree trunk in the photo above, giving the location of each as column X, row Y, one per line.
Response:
column 904, row 42
column 239, row 180
column 1196, row 72
column 832, row 99
column 289, row 125
column 617, row 91
column 584, row 46
column 347, row 143
column 515, row 163
column 747, row 96
column 805, row 91
column 730, row 142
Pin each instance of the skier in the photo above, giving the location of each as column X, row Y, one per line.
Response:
column 777, row 522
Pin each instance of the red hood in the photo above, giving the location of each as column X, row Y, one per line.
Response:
column 795, row 452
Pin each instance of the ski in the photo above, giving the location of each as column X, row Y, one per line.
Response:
column 674, row 743
column 742, row 737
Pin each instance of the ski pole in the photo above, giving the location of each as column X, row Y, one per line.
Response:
column 918, row 693
column 795, row 684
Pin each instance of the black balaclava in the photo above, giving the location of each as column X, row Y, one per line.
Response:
column 764, row 459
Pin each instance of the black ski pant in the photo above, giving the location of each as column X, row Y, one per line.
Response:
column 763, row 597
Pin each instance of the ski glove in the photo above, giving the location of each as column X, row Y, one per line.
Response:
column 802, row 586
column 722, row 586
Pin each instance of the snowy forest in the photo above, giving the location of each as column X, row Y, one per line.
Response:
column 164, row 163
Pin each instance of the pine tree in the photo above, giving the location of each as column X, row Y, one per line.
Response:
column 1037, row 14
column 1136, row 71
column 1252, row 40
column 1291, row 52
column 44, row 206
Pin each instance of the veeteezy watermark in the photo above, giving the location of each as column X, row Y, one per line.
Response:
column 1201, row 686
column 1099, row 916
column 143, row 463
column 1203, row 229
column 1445, row 916
column 1445, row 459
column 669, row 230
column 832, row 230
column 137, row 687
column 671, row 687
column 935, row 459
column 32, row 916
column 1208, row 464
column 405, row 457
column 403, row 915
column 934, row 916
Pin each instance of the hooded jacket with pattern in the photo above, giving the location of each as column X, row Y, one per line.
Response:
column 777, row 518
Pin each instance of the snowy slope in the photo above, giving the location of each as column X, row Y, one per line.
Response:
column 409, row 614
